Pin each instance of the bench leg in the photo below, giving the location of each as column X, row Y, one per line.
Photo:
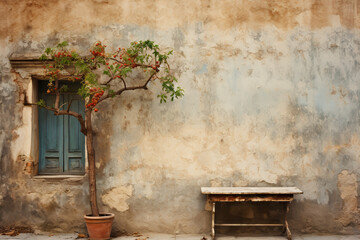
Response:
column 286, row 225
column 213, row 222
column 283, row 230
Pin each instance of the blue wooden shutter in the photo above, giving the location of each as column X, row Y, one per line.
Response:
column 62, row 145
column 51, row 136
column 74, row 141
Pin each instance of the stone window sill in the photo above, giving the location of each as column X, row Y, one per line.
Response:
column 60, row 177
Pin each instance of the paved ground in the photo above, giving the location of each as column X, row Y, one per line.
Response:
column 158, row 236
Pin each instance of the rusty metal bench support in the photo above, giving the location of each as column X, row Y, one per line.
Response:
column 285, row 224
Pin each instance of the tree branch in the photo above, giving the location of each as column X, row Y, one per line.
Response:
column 144, row 86
column 137, row 64
column 62, row 112
column 79, row 118
column 123, row 80
column 57, row 99
column 108, row 81
column 68, row 108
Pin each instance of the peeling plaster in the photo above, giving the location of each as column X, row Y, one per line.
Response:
column 117, row 198
column 348, row 187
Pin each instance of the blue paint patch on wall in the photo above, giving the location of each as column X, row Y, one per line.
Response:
column 302, row 100
column 202, row 70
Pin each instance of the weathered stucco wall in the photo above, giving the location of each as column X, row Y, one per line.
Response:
column 272, row 99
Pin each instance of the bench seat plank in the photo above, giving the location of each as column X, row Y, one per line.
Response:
column 250, row 198
column 250, row 190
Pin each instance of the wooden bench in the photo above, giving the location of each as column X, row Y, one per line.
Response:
column 251, row 194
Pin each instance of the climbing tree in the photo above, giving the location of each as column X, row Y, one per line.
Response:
column 103, row 76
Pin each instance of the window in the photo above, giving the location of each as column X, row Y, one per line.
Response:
column 61, row 144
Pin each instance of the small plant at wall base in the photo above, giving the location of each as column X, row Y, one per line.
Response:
column 104, row 76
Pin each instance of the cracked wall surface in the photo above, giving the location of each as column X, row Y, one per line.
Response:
column 271, row 99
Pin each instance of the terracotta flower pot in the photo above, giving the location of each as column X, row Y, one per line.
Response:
column 99, row 228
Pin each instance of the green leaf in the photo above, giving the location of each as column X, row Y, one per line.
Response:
column 48, row 50
column 41, row 103
column 125, row 71
column 43, row 57
column 83, row 92
column 162, row 97
column 64, row 88
column 62, row 44
column 112, row 93
column 75, row 55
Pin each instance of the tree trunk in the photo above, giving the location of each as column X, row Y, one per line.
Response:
column 91, row 161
